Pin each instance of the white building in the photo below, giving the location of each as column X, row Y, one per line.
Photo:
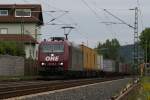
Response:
column 21, row 22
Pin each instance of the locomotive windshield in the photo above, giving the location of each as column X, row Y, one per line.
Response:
column 56, row 48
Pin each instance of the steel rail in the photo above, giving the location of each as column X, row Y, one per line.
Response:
column 15, row 91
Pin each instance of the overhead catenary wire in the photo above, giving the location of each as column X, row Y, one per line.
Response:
column 48, row 5
column 51, row 11
column 57, row 17
column 53, row 18
column 76, row 24
column 64, row 12
column 92, row 10
column 118, row 18
column 61, row 22
column 112, row 22
column 83, row 34
column 77, row 28
column 121, row 21
column 107, row 24
column 98, row 17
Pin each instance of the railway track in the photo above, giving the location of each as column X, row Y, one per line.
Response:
column 128, row 91
column 25, row 88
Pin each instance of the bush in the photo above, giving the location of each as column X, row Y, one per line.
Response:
column 12, row 48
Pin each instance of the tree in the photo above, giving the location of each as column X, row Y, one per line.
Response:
column 12, row 48
column 109, row 49
column 145, row 42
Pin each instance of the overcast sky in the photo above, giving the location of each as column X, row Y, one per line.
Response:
column 87, row 16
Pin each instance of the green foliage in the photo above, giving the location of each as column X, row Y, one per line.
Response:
column 109, row 49
column 142, row 92
column 12, row 48
column 145, row 42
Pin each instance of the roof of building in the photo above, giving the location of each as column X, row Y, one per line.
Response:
column 26, row 38
column 36, row 13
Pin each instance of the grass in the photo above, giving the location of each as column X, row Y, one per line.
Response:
column 142, row 92
column 145, row 83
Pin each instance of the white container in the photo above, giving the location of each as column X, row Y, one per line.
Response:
column 108, row 65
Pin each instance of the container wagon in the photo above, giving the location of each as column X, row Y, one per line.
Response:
column 125, row 68
column 99, row 62
column 108, row 65
column 89, row 58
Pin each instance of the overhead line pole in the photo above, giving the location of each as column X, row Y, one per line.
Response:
column 136, row 36
column 123, row 22
column 136, row 39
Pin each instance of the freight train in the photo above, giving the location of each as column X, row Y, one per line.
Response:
column 61, row 57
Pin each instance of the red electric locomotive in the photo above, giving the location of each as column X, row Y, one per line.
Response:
column 59, row 55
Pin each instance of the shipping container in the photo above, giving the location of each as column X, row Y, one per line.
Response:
column 76, row 59
column 109, row 65
column 125, row 68
column 99, row 62
column 89, row 58
column 94, row 60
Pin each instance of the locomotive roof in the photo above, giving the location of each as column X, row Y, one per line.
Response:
column 64, row 42
column 61, row 42
column 56, row 42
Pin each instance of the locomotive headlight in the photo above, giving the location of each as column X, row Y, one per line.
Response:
column 42, row 64
column 52, row 55
column 61, row 63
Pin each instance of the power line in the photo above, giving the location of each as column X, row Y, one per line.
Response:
column 77, row 28
column 76, row 24
column 135, row 27
column 122, row 21
column 92, row 10
column 52, row 11
column 107, row 24
column 57, row 17
column 48, row 5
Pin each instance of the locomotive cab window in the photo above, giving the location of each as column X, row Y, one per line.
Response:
column 56, row 48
